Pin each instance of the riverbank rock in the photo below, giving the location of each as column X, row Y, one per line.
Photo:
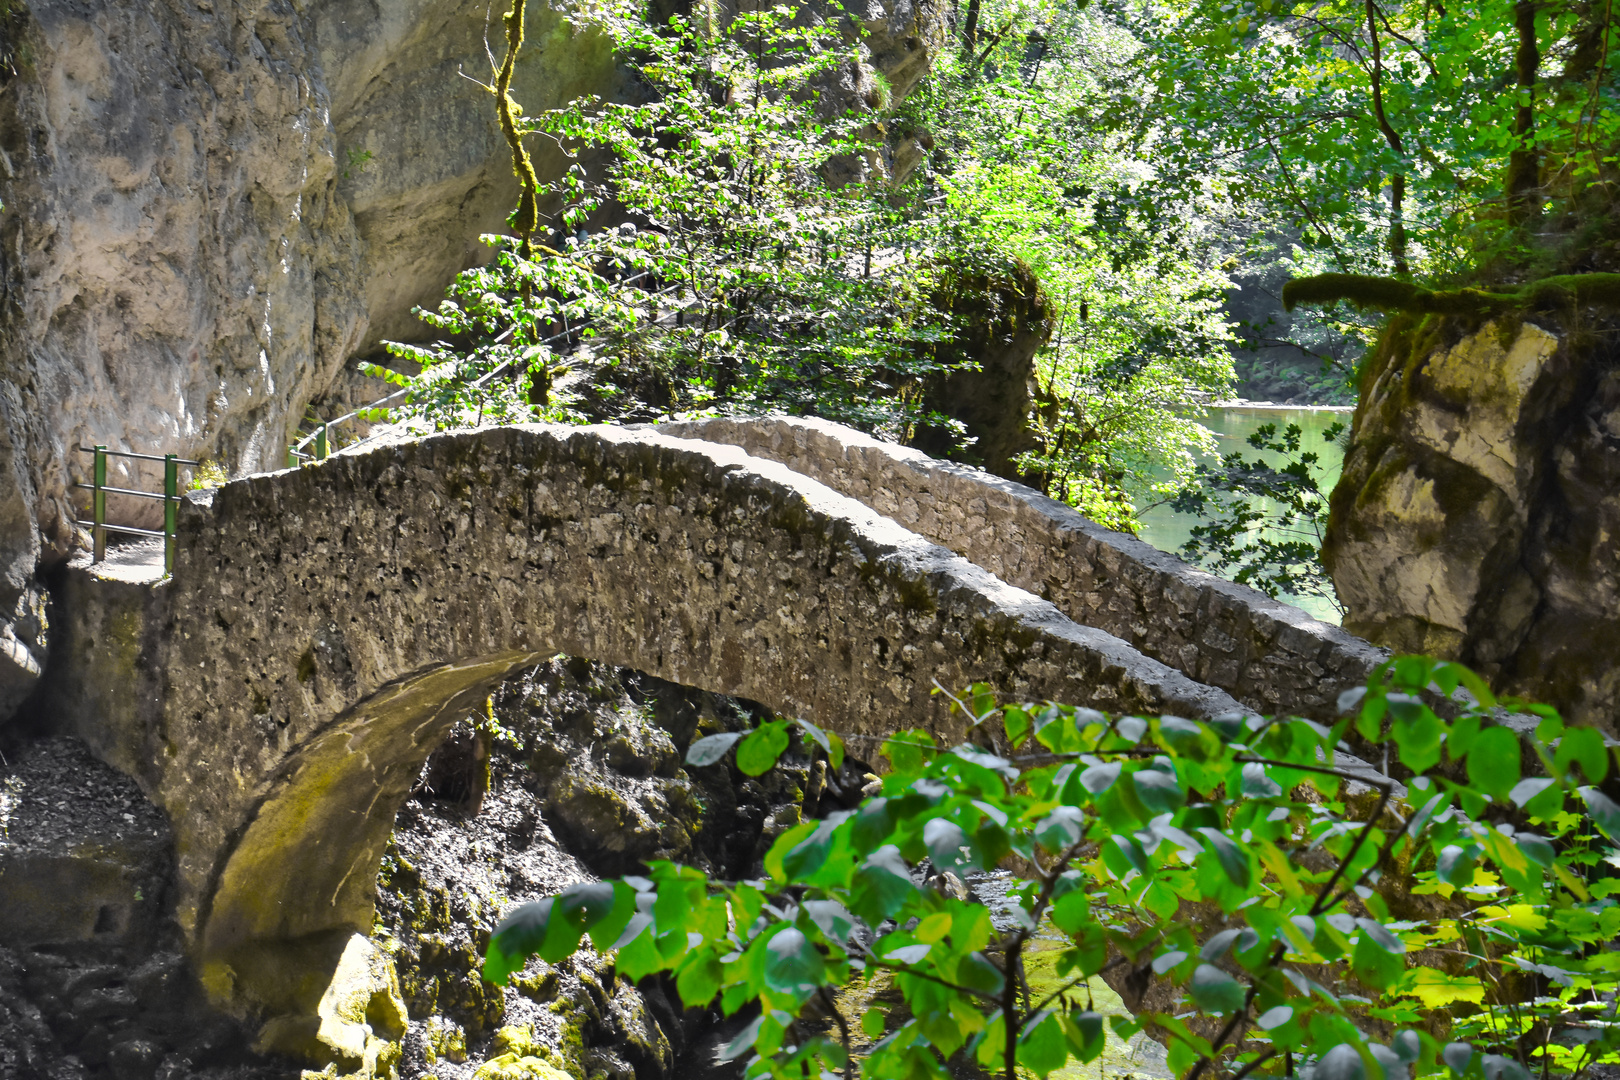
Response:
column 1478, row 514
column 93, row 982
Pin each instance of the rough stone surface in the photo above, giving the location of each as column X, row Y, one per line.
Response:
column 84, row 856
column 326, row 626
column 94, row 981
column 449, row 875
column 358, row 1020
column 1477, row 514
column 194, row 243
column 24, row 641
column 1269, row 655
column 1003, row 320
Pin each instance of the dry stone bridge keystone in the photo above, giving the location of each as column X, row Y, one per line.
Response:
column 324, row 627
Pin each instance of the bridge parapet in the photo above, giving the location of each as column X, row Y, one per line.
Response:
column 1271, row 656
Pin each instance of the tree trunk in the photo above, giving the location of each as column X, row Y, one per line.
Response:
column 1397, row 180
column 1524, row 161
column 970, row 31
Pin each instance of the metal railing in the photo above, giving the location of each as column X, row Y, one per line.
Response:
column 100, row 489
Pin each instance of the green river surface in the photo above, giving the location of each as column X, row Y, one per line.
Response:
column 1167, row 530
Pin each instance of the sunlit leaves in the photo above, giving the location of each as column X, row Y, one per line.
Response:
column 1293, row 937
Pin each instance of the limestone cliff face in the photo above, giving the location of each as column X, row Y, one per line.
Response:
column 209, row 207
column 1478, row 516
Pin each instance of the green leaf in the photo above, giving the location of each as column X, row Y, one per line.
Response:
column 710, row 749
column 1060, row 829
column 908, row 750
column 1501, row 1067
column 874, row 821
column 1099, row 778
column 1604, row 812
column 744, row 1041
column 815, row 851
column 1536, row 848
column 1122, row 854
column 832, row 744
column 1529, row 788
column 1343, row 1062
column 761, row 747
column 1087, row 1035
column 976, row 972
column 882, row 885
column 1374, row 963
column 1458, row 1056
column 517, row 937
column 1584, row 746
column 1277, row 1015
column 1455, row 865
column 1493, row 761
column 1417, row 733
column 1214, row 991
column 793, row 965
column 1233, row 859
column 1043, row 1047
column 1158, row 791
column 1017, row 723
column 946, row 842
column 1257, row 784
column 699, row 977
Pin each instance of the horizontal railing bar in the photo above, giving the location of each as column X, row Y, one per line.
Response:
column 123, row 491
column 108, row 527
column 143, row 457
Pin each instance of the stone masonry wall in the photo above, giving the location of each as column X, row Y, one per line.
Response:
column 1267, row 654
column 324, row 626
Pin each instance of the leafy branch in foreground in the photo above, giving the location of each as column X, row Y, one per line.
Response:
column 1313, row 916
column 1262, row 525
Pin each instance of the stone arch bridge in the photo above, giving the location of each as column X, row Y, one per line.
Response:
column 324, row 627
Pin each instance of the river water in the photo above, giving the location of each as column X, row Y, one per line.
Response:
column 1167, row 530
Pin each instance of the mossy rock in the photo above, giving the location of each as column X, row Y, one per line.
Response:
column 514, row 1067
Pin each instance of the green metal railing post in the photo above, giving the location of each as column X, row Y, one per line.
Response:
column 292, row 457
column 171, row 508
column 321, row 447
column 98, row 504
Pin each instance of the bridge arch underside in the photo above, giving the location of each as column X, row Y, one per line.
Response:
column 327, row 625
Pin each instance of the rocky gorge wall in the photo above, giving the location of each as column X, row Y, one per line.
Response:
column 1477, row 516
